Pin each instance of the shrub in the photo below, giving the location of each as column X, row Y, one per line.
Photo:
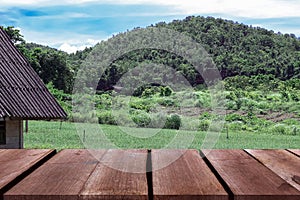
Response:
column 205, row 115
column 106, row 118
column 204, row 125
column 141, row 104
column 234, row 117
column 165, row 91
column 166, row 102
column 141, row 118
column 173, row 122
column 148, row 92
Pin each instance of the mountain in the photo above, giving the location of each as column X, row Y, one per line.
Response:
column 236, row 49
column 239, row 49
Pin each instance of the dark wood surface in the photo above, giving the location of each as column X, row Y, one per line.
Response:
column 112, row 178
column 15, row 164
column 248, row 179
column 76, row 174
column 295, row 151
column 186, row 178
column 282, row 162
column 62, row 177
column 177, row 174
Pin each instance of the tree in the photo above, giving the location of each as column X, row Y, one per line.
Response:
column 14, row 34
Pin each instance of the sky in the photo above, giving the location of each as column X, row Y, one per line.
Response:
column 72, row 25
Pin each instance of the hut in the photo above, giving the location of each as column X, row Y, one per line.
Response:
column 23, row 95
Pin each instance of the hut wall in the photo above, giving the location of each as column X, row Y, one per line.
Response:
column 14, row 134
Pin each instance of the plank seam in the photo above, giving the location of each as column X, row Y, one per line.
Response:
column 252, row 156
column 26, row 173
column 218, row 176
column 268, row 167
column 149, row 175
column 292, row 153
column 83, row 186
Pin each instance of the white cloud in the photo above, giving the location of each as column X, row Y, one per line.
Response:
column 69, row 48
column 72, row 48
column 68, row 41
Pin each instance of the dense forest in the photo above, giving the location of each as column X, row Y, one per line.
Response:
column 236, row 49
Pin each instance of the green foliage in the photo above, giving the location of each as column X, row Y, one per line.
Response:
column 166, row 102
column 206, row 115
column 141, row 118
column 106, row 117
column 173, row 122
column 235, row 117
column 14, row 34
column 247, row 57
column 141, row 104
column 204, row 125
column 165, row 91
column 63, row 99
column 103, row 102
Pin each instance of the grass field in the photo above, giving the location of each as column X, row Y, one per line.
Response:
column 64, row 135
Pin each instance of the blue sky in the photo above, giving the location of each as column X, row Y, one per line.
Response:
column 71, row 25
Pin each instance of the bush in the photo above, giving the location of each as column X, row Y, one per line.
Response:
column 165, row 91
column 141, row 104
column 103, row 101
column 234, row 117
column 173, row 122
column 204, row 125
column 148, row 92
column 106, row 118
column 141, row 118
column 205, row 115
column 166, row 102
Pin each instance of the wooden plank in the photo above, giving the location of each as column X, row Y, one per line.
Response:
column 15, row 164
column 247, row 178
column 62, row 177
column 186, row 178
column 283, row 163
column 295, row 151
column 114, row 177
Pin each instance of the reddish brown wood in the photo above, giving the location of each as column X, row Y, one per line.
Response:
column 15, row 163
column 283, row 163
column 112, row 178
column 248, row 179
column 186, row 178
column 62, row 177
column 295, row 151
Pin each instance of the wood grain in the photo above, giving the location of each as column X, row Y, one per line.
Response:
column 283, row 163
column 295, row 151
column 15, row 163
column 62, row 177
column 247, row 178
column 186, row 178
column 115, row 177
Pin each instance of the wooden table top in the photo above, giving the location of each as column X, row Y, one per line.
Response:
column 17, row 164
column 127, row 174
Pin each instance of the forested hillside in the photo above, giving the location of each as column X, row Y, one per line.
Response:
column 236, row 49
column 241, row 49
